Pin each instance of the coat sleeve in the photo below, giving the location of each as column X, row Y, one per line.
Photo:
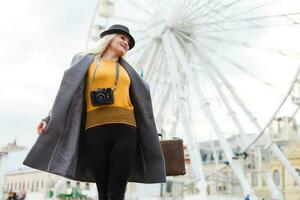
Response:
column 147, row 84
column 76, row 58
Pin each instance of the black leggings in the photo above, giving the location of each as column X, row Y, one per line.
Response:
column 110, row 151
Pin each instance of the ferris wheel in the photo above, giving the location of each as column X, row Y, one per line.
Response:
column 216, row 68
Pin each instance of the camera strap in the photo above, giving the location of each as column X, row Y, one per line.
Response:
column 97, row 64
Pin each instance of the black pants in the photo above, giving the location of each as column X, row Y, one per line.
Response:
column 110, row 151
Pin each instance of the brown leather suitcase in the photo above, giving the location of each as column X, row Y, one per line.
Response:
column 174, row 156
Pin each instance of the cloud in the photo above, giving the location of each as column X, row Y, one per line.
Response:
column 38, row 40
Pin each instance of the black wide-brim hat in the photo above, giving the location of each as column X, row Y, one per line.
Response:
column 118, row 28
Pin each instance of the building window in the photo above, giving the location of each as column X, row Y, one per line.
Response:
column 68, row 184
column 276, row 177
column 204, row 157
column 169, row 187
column 220, row 188
column 37, row 185
column 42, row 183
column 32, row 186
column 212, row 158
column 23, row 186
column 298, row 171
column 220, row 155
column 263, row 181
column 254, row 179
column 87, row 186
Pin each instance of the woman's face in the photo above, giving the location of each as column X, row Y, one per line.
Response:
column 120, row 44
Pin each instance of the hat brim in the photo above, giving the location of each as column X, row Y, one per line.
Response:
column 111, row 31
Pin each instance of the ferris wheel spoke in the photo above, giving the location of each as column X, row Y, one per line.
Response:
column 295, row 112
column 147, row 4
column 156, row 63
column 252, row 22
column 159, row 62
column 263, row 131
column 250, row 26
column 231, row 16
column 151, row 60
column 189, row 7
column 201, row 9
column 163, row 104
column 160, row 3
column 155, row 79
column 163, row 94
column 208, row 112
column 127, row 19
column 140, row 7
column 145, row 53
column 190, row 10
column 223, row 99
column 142, row 38
column 247, row 11
column 244, row 69
column 274, row 148
column 195, row 154
column 254, row 8
column 227, row 84
column 281, row 52
column 162, row 86
column 141, row 42
column 220, row 11
column 212, row 13
column 206, row 10
column 150, row 75
column 138, row 49
column 175, row 110
column 139, row 31
column 145, row 57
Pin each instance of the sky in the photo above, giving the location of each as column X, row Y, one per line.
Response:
column 38, row 40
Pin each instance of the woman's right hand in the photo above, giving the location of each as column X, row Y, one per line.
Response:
column 41, row 127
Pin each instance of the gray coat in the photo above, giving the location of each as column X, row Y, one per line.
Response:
column 59, row 149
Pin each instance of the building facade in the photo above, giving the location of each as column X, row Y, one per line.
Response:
column 39, row 183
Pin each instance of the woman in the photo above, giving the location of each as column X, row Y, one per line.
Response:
column 101, row 128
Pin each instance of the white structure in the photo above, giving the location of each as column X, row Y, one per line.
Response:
column 206, row 62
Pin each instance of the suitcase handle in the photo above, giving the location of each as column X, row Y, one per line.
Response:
column 161, row 135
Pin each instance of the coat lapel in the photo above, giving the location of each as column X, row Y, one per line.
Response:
column 75, row 74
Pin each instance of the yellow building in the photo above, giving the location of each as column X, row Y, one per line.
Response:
column 222, row 181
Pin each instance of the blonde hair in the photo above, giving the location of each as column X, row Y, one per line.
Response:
column 100, row 46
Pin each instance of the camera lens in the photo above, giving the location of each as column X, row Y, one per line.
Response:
column 100, row 97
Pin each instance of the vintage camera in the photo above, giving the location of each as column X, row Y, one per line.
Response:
column 102, row 96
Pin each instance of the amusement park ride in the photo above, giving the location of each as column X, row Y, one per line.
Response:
column 207, row 62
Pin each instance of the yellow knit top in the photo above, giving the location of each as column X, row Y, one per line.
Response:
column 121, row 111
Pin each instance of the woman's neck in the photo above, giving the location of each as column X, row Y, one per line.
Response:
column 109, row 55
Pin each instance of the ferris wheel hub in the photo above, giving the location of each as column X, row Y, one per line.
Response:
column 174, row 16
